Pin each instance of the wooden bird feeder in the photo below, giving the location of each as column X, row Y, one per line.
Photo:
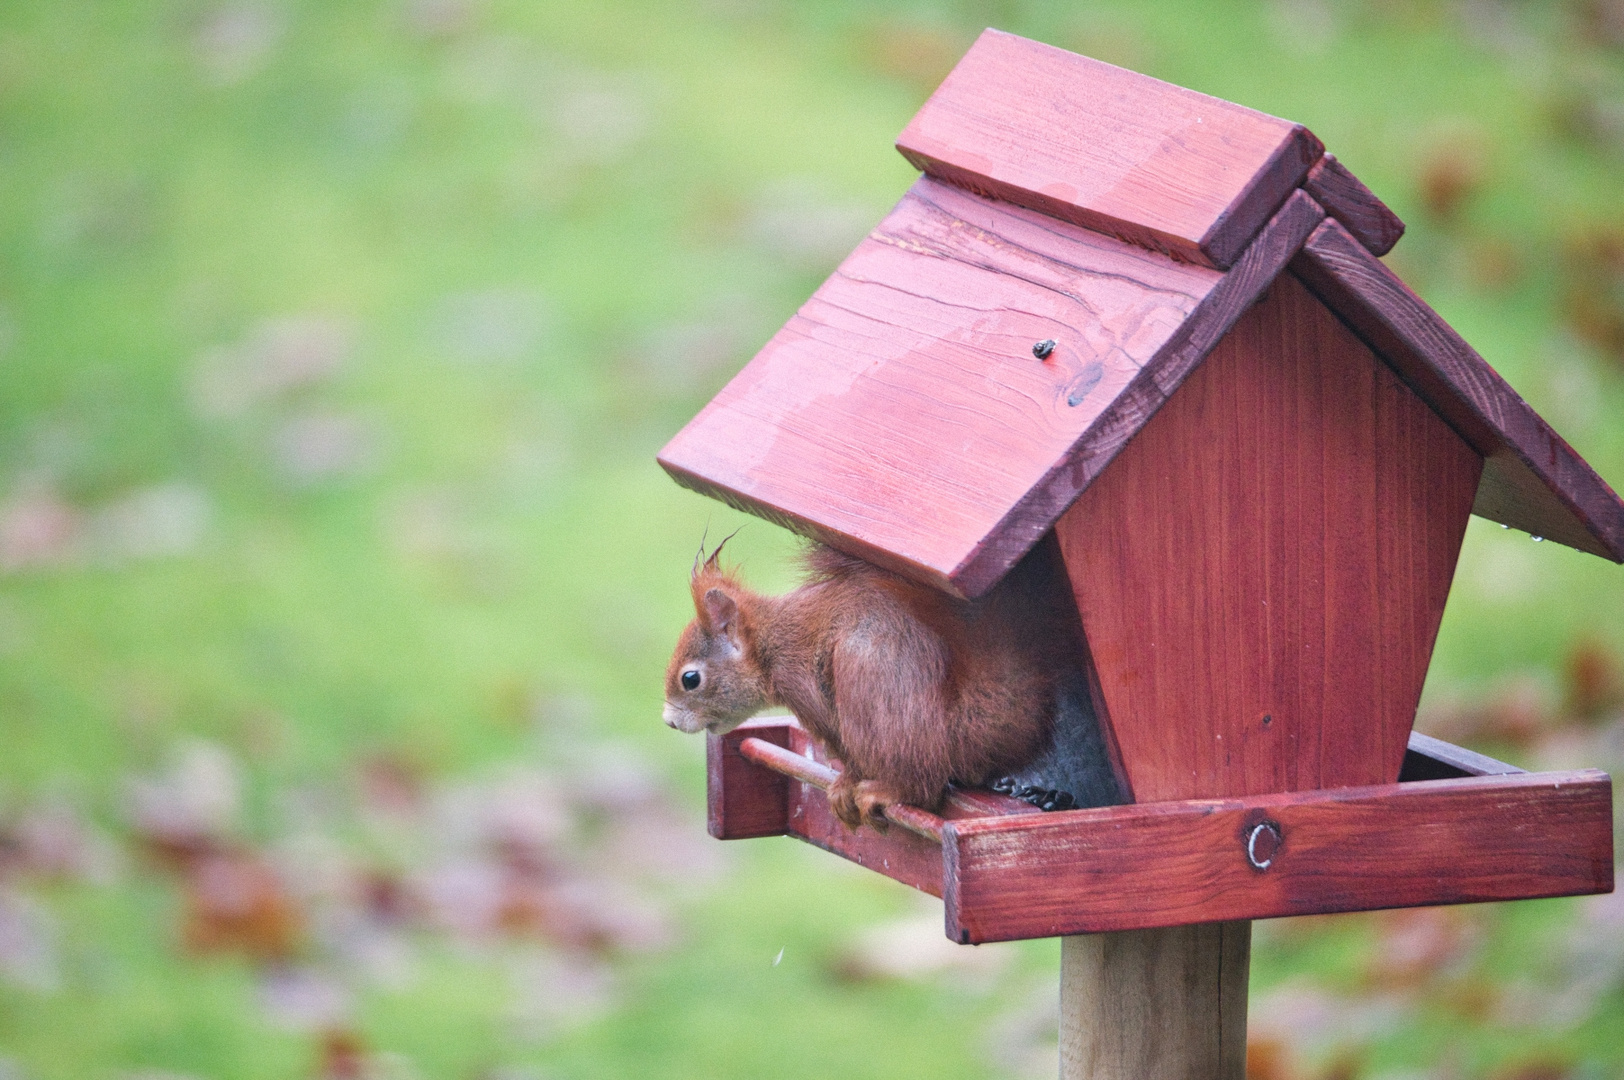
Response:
column 1253, row 449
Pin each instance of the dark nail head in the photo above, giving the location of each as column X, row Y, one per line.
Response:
column 1043, row 348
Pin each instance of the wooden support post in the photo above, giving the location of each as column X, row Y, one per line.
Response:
column 1167, row 1004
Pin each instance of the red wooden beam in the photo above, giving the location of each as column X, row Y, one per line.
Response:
column 1347, row 200
column 743, row 800
column 1008, row 871
column 1473, row 839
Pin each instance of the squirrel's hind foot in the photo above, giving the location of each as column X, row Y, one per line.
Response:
column 862, row 802
column 843, row 800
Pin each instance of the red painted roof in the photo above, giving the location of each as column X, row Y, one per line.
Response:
column 902, row 415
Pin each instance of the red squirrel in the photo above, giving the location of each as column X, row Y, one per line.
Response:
column 908, row 687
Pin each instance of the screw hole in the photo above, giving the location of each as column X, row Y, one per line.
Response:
column 1263, row 844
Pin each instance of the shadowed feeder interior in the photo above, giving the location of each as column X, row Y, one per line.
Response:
column 1144, row 335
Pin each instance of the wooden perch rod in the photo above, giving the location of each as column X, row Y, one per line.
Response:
column 804, row 769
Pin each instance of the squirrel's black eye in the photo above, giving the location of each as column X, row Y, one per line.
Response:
column 690, row 679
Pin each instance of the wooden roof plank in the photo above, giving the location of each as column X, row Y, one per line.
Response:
column 1354, row 205
column 1532, row 479
column 1109, row 149
column 901, row 412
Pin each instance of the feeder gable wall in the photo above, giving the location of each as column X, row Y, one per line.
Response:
column 1262, row 570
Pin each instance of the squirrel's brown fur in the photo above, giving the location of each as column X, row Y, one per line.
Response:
column 910, row 688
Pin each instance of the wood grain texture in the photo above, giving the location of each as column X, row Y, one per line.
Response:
column 1262, row 571
column 743, row 800
column 901, row 417
column 1350, row 849
column 901, row 412
column 1347, row 200
column 1038, row 510
column 1167, row 1003
column 1532, row 479
column 1111, row 150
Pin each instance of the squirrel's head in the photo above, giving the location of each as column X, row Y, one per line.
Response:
column 715, row 682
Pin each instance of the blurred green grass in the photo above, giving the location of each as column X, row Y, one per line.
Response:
column 522, row 244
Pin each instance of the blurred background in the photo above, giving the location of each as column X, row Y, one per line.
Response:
column 337, row 577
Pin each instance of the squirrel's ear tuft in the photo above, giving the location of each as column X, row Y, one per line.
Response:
column 718, row 610
column 711, row 564
column 699, row 556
